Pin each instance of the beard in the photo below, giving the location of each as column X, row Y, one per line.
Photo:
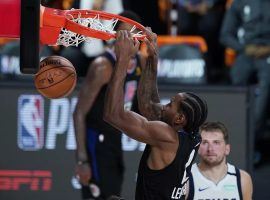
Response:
column 213, row 162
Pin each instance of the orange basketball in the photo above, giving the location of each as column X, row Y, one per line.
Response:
column 56, row 77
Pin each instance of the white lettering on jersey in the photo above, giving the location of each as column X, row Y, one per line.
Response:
column 178, row 191
column 191, row 156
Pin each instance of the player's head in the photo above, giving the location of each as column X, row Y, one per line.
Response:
column 215, row 143
column 186, row 111
column 125, row 26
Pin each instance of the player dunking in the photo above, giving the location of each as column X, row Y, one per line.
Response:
column 170, row 131
column 99, row 154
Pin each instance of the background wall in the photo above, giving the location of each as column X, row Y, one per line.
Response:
column 37, row 139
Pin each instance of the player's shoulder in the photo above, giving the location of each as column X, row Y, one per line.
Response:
column 162, row 128
column 98, row 72
column 194, row 168
column 231, row 168
column 99, row 66
column 246, row 180
column 160, row 125
column 101, row 61
column 244, row 175
column 246, row 184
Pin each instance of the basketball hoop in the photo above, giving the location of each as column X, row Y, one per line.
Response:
column 71, row 27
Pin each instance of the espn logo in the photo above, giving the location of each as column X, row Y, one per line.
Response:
column 38, row 180
column 30, row 122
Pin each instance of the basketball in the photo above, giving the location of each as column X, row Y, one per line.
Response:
column 56, row 77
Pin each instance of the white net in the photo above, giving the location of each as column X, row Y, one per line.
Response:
column 69, row 38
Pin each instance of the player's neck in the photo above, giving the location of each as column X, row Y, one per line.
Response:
column 214, row 173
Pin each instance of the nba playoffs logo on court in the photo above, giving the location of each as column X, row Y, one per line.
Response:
column 30, row 122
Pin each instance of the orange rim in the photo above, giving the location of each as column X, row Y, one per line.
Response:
column 53, row 20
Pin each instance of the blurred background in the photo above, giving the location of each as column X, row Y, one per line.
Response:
column 199, row 47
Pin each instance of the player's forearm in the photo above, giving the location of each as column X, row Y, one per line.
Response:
column 80, row 134
column 147, row 89
column 153, row 61
column 114, row 101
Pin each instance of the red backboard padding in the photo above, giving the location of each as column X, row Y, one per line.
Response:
column 10, row 13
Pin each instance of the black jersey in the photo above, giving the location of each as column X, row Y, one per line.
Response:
column 94, row 118
column 168, row 183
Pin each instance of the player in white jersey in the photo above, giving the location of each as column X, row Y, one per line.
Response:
column 213, row 178
column 228, row 188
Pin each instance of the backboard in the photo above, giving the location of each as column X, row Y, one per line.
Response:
column 35, row 24
column 20, row 19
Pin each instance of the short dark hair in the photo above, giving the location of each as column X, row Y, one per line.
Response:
column 216, row 126
column 195, row 109
column 128, row 14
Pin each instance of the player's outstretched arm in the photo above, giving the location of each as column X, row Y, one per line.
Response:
column 148, row 97
column 98, row 74
column 134, row 125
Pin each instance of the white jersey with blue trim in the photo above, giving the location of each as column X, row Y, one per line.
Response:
column 201, row 188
